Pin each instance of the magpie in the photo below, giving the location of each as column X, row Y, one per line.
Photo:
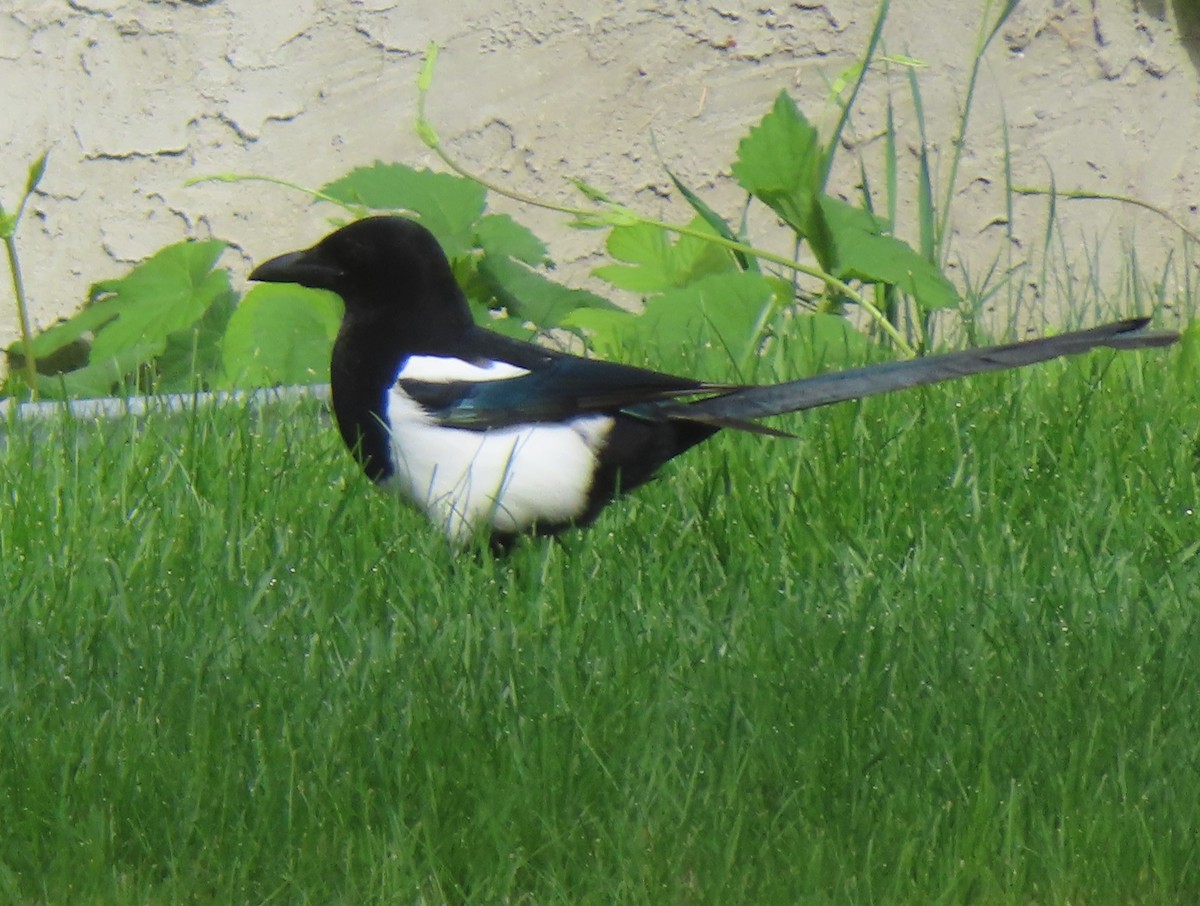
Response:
column 488, row 433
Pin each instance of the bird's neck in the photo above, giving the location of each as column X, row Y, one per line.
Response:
column 373, row 342
column 366, row 357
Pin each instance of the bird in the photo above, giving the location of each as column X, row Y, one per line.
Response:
column 492, row 435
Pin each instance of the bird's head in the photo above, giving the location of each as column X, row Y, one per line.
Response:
column 379, row 265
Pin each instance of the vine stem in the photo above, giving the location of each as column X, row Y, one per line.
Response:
column 1084, row 195
column 357, row 210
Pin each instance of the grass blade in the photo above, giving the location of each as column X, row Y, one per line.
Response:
column 836, row 136
column 714, row 220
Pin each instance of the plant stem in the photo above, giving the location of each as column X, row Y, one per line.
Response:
column 14, row 266
column 356, row 210
column 1085, row 195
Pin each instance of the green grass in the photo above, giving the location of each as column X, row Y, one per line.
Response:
column 941, row 649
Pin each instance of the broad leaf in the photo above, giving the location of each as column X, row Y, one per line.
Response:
column 165, row 293
column 501, row 236
column 98, row 379
column 654, row 263
column 501, row 323
column 88, row 320
column 810, row 343
column 281, row 334
column 193, row 356
column 722, row 314
column 530, row 296
column 718, row 319
column 134, row 318
column 612, row 333
column 781, row 163
column 447, row 205
column 863, row 253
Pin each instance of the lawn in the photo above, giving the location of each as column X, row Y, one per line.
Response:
column 941, row 648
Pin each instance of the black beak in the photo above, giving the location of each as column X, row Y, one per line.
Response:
column 308, row 268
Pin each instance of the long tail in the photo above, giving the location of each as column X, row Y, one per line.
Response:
column 808, row 393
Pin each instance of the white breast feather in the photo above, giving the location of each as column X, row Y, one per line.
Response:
column 508, row 478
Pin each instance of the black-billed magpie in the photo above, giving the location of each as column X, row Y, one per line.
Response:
column 484, row 432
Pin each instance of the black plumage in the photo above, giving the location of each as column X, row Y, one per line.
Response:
column 430, row 401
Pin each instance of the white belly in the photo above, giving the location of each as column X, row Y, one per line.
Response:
column 506, row 478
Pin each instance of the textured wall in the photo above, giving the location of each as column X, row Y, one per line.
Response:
column 136, row 96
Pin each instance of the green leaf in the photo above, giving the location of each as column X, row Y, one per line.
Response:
column 425, row 76
column 530, row 296
column 8, row 222
column 501, row 322
column 722, row 314
column 611, row 332
column 99, row 377
column 718, row 319
column 863, row 253
column 590, row 192
column 36, row 171
column 447, row 205
column 68, row 357
column 501, row 236
column 90, row 318
column 425, row 129
column 281, row 334
column 192, row 358
column 846, row 218
column 166, row 293
column 780, row 163
column 133, row 318
column 814, row 342
column 655, row 264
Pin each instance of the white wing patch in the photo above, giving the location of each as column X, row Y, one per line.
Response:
column 436, row 369
column 505, row 478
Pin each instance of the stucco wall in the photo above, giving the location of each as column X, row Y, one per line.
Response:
column 133, row 97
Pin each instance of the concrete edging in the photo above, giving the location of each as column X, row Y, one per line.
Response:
column 140, row 406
